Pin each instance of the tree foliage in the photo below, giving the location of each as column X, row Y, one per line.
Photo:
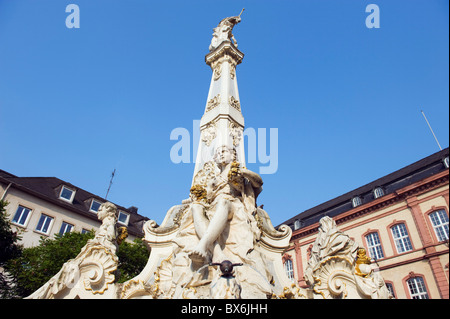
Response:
column 132, row 259
column 9, row 249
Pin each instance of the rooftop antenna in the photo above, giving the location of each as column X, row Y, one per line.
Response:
column 431, row 130
column 241, row 12
column 110, row 182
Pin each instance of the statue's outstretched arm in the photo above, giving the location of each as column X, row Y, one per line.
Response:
column 253, row 177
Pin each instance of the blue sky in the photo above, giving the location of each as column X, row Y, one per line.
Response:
column 346, row 99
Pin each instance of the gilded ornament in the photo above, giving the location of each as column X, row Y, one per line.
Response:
column 235, row 132
column 198, row 192
column 362, row 258
column 217, row 70
column 234, row 103
column 215, row 101
column 123, row 234
column 209, row 133
column 232, row 70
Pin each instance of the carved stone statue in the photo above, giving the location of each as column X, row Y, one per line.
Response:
column 223, row 32
column 218, row 243
column 338, row 268
column 212, row 228
column 233, row 189
column 329, row 242
column 93, row 270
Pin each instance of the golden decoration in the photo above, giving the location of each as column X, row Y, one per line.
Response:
column 234, row 174
column 199, row 192
column 234, row 170
column 123, row 234
column 234, row 103
column 361, row 258
column 215, row 101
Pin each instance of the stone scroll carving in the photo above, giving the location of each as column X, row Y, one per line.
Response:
column 338, row 268
column 92, row 272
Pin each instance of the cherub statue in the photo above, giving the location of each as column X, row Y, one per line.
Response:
column 223, row 32
column 107, row 234
column 213, row 207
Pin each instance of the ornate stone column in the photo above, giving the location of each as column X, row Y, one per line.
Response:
column 222, row 122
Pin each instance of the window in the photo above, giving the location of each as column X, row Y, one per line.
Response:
column 439, row 219
column 65, row 228
column 21, row 216
column 378, row 192
column 390, row 287
column 67, row 194
column 123, row 218
column 44, row 224
column 85, row 231
column 296, row 224
column 447, row 162
column 95, row 205
column 401, row 238
column 417, row 288
column 356, row 201
column 374, row 245
column 288, row 267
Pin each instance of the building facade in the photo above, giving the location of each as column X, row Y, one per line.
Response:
column 402, row 220
column 45, row 206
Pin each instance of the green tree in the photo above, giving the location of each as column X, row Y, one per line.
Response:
column 9, row 249
column 132, row 259
column 38, row 264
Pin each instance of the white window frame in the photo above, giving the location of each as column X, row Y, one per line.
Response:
column 25, row 223
column 390, row 287
column 417, row 288
column 439, row 220
column 67, row 225
column 49, row 227
column 126, row 214
column 71, row 196
column 378, row 192
column 446, row 162
column 356, row 201
column 402, row 241
column 289, row 268
column 374, row 246
column 92, row 202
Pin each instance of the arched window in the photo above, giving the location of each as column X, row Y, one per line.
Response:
column 390, row 287
column 401, row 238
column 356, row 201
column 439, row 219
column 378, row 192
column 447, row 162
column 289, row 268
column 374, row 245
column 417, row 288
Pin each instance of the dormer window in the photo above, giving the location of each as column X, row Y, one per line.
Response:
column 378, row 192
column 356, row 201
column 296, row 224
column 446, row 162
column 123, row 217
column 95, row 205
column 67, row 194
